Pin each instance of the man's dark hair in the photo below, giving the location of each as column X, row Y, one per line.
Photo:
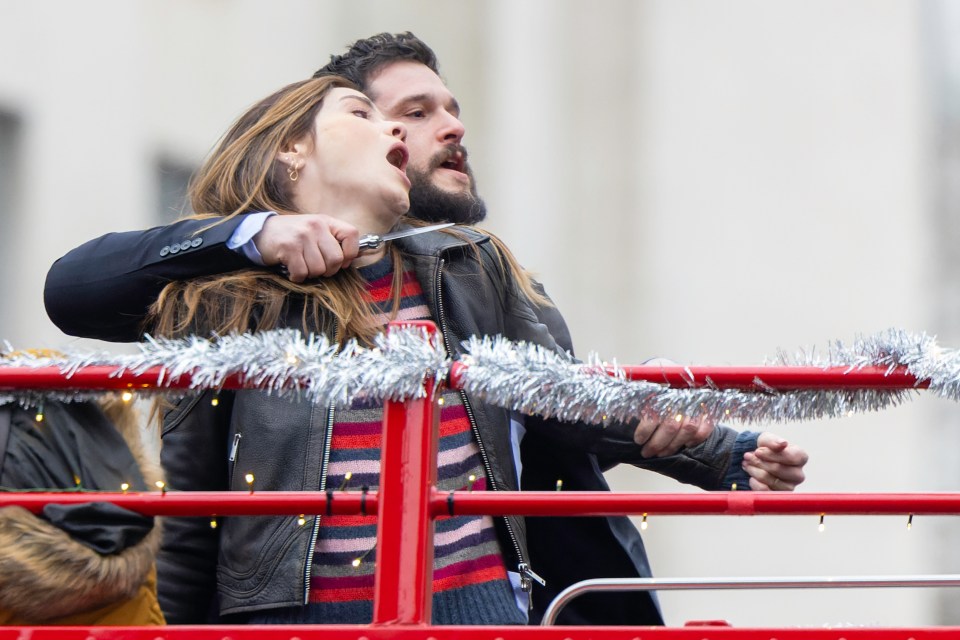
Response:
column 365, row 57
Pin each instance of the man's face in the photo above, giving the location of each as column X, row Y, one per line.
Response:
column 443, row 187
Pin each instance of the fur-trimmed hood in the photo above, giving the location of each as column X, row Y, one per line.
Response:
column 45, row 574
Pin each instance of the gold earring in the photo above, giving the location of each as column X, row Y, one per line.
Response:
column 294, row 171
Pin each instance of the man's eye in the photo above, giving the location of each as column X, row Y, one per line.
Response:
column 419, row 113
column 362, row 113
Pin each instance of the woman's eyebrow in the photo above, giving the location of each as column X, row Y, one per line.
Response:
column 363, row 99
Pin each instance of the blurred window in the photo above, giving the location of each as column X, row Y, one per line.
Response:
column 11, row 155
column 172, row 180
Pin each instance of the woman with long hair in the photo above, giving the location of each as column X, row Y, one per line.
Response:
column 322, row 146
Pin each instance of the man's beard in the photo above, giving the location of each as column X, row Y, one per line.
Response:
column 432, row 204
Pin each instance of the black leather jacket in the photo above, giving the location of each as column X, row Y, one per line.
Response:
column 263, row 562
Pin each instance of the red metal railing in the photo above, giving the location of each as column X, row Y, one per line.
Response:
column 409, row 501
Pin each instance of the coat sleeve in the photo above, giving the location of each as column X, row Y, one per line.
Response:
column 103, row 288
column 194, row 457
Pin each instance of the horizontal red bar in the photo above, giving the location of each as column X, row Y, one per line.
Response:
column 423, row 632
column 783, row 378
column 95, row 377
column 535, row 503
column 208, row 503
column 739, row 503
column 777, row 377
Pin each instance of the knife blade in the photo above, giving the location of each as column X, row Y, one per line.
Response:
column 372, row 241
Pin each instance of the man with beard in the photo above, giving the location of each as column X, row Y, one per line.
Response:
column 103, row 289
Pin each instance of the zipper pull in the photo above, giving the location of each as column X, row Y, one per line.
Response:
column 526, row 573
column 233, row 449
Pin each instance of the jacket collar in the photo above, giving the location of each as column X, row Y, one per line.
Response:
column 435, row 243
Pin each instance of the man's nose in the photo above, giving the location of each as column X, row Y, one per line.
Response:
column 451, row 129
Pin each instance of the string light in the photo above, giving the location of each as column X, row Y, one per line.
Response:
column 39, row 416
column 76, row 480
column 643, row 523
column 470, row 480
column 162, row 486
column 214, row 401
column 910, row 522
column 358, row 560
column 346, row 479
column 249, row 478
column 126, row 396
column 301, row 520
column 733, row 487
column 821, row 526
column 213, row 522
column 440, row 400
column 292, row 358
column 679, row 417
column 124, row 487
column 560, row 484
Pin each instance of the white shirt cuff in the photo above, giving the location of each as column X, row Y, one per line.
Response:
column 242, row 239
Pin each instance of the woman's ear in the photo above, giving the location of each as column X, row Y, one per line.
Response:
column 295, row 151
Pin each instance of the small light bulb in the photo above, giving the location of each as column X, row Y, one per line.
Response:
column 292, row 358
column 126, row 396
column 39, row 417
column 560, row 484
column 213, row 523
column 301, row 520
column 248, row 478
column 679, row 417
column 440, row 400
column 356, row 562
column 214, row 401
column 910, row 522
column 822, row 526
column 124, row 487
column 161, row 485
column 643, row 523
column 733, row 487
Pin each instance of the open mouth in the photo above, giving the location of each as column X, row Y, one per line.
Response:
column 398, row 157
column 457, row 162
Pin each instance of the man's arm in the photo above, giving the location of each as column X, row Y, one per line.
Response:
column 103, row 288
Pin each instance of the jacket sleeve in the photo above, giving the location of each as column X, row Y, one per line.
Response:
column 194, row 458
column 103, row 288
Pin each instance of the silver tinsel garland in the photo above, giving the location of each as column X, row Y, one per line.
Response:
column 521, row 377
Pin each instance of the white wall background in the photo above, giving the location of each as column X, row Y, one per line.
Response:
column 706, row 181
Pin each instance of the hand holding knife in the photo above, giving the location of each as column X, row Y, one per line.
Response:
column 371, row 241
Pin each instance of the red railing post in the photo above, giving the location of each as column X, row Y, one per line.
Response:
column 403, row 583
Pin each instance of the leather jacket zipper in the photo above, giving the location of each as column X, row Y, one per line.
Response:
column 234, row 452
column 308, row 567
column 523, row 568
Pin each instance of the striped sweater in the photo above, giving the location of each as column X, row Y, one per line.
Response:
column 469, row 582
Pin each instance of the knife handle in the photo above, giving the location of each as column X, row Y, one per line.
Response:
column 370, row 241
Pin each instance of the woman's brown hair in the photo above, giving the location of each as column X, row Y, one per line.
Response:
column 241, row 175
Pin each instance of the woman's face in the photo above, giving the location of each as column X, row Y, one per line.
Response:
column 354, row 165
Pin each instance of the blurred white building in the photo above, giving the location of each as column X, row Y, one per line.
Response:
column 705, row 181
